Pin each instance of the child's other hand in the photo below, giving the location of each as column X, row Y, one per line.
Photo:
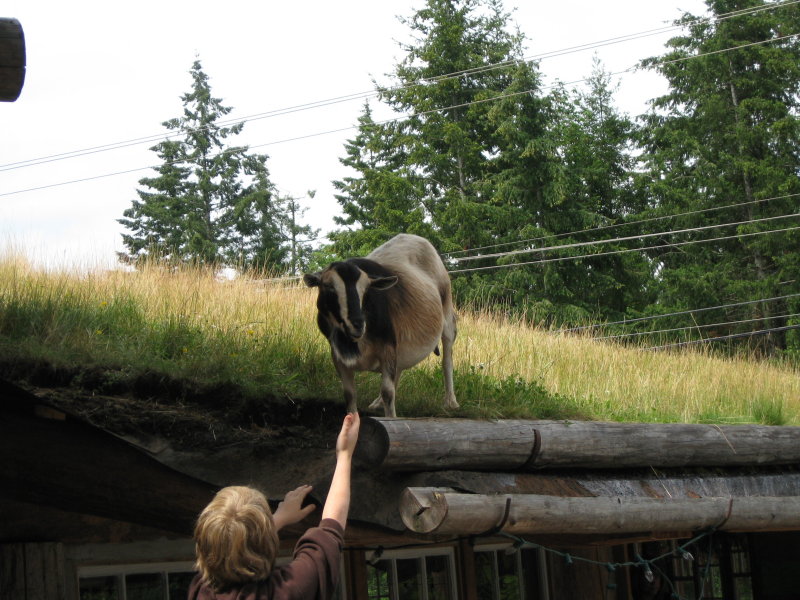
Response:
column 291, row 511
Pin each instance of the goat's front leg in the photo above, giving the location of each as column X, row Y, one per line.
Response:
column 348, row 387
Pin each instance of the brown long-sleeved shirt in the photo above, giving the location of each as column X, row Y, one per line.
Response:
column 312, row 574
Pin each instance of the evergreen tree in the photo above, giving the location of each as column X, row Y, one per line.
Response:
column 296, row 238
column 383, row 196
column 726, row 134
column 212, row 203
column 598, row 156
column 482, row 161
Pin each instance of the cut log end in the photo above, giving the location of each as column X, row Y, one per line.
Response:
column 373, row 443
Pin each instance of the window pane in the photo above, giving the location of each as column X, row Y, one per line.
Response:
column 485, row 575
column 145, row 586
column 99, row 588
column 530, row 573
column 179, row 585
column 684, row 589
column 378, row 580
column 509, row 576
column 439, row 582
column 409, row 584
column 744, row 588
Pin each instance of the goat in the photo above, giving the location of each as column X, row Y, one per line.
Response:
column 385, row 313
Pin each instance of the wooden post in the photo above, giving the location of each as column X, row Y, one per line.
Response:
column 431, row 444
column 12, row 59
column 34, row 571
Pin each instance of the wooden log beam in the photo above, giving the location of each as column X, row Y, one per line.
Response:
column 12, row 59
column 444, row 511
column 434, row 444
column 613, row 445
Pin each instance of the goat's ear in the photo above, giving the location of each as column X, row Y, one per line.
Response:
column 312, row 279
column 382, row 283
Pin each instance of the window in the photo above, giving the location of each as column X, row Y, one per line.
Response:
column 717, row 569
column 411, row 575
column 502, row 574
column 165, row 581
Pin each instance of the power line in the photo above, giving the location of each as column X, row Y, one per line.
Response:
column 616, row 225
column 394, row 120
column 613, row 252
column 675, row 314
column 708, row 326
column 620, row 239
column 726, row 337
column 372, row 93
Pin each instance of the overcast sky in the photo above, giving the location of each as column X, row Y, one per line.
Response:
column 102, row 72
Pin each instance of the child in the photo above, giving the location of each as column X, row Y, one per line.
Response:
column 237, row 541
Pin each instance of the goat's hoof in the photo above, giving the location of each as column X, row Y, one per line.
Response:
column 376, row 404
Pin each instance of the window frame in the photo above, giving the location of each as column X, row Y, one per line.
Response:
column 120, row 571
column 418, row 554
column 541, row 565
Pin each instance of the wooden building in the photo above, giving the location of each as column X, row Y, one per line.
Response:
column 441, row 509
column 12, row 59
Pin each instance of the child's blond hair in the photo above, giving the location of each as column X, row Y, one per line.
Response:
column 235, row 538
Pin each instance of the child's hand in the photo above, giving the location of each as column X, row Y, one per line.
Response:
column 291, row 511
column 348, row 436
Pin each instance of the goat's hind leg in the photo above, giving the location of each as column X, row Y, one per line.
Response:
column 448, row 338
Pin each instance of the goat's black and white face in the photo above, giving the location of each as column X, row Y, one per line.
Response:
column 342, row 287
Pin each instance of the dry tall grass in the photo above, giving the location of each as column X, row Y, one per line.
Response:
column 263, row 334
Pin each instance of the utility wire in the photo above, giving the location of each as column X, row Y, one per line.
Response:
column 726, row 337
column 394, row 120
column 740, row 322
column 613, row 252
column 675, row 314
column 620, row 239
column 615, row 225
column 373, row 93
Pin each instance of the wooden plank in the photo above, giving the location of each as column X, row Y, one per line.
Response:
column 95, row 473
column 12, row 571
column 35, row 572
column 428, row 510
column 507, row 445
column 435, row 444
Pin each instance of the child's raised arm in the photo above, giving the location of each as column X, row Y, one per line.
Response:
column 337, row 504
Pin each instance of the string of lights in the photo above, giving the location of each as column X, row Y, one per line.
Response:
column 646, row 564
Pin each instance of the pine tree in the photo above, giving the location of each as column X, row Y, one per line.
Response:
column 726, row 134
column 212, row 202
column 383, row 196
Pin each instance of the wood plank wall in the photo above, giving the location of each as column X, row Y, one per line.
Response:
column 32, row 571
